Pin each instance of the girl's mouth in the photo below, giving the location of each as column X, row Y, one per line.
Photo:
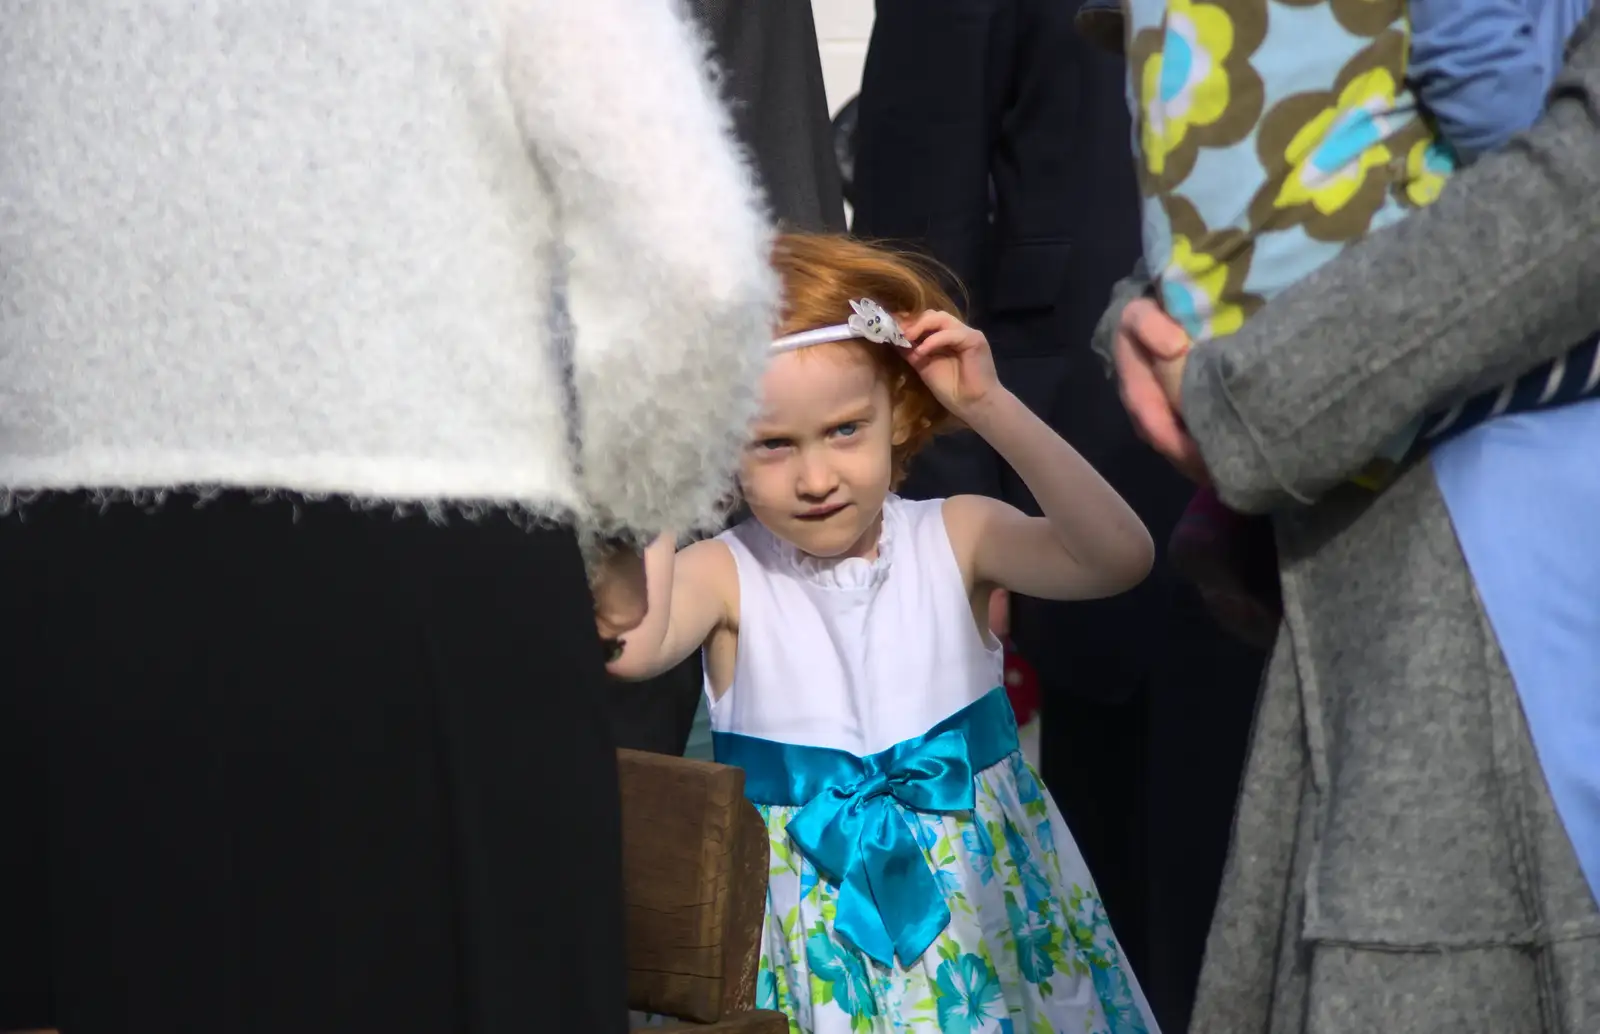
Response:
column 821, row 513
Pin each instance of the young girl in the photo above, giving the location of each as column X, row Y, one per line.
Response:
column 921, row 877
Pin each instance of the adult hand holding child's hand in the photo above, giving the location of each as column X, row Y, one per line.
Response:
column 620, row 597
column 1151, row 352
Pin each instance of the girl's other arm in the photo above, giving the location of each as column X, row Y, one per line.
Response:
column 691, row 592
column 1088, row 545
column 1483, row 68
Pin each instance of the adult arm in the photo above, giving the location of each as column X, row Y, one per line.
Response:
column 1495, row 278
column 669, row 289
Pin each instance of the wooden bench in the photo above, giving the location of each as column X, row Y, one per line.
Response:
column 695, row 858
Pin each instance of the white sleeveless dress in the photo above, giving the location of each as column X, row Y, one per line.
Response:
column 921, row 878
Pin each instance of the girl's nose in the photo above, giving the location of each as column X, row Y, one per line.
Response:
column 817, row 478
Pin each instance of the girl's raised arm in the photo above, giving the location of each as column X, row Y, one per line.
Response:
column 1089, row 542
column 1088, row 545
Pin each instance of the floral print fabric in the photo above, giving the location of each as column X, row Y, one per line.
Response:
column 1028, row 949
column 1269, row 134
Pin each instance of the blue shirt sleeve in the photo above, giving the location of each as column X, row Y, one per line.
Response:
column 1482, row 68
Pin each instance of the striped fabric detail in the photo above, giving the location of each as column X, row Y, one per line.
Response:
column 1569, row 378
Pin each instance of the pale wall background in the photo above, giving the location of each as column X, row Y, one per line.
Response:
column 843, row 29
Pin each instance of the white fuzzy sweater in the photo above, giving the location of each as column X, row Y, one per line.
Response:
column 316, row 245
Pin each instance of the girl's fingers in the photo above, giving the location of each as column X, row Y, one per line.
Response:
column 943, row 338
column 931, row 320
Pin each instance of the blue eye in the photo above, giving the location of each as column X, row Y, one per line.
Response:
column 847, row 430
column 771, row 444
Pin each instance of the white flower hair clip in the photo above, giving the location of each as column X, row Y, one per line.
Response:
column 874, row 323
column 869, row 321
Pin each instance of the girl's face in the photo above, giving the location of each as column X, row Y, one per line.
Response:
column 817, row 468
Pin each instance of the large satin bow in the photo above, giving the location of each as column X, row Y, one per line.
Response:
column 851, row 820
column 859, row 836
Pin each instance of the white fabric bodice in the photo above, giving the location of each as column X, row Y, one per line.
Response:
column 854, row 654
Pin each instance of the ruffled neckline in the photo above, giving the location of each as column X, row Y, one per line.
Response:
column 848, row 573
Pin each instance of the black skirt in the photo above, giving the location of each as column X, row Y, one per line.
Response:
column 288, row 766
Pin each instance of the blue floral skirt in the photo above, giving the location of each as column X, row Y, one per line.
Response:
column 1028, row 950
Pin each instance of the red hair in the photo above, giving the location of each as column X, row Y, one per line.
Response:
column 822, row 274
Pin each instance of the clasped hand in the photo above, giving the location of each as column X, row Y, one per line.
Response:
column 620, row 597
column 1151, row 351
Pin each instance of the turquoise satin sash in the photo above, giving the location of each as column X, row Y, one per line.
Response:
column 851, row 823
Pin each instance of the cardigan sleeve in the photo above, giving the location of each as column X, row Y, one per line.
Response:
column 1135, row 285
column 1481, row 69
column 1490, row 281
column 670, row 294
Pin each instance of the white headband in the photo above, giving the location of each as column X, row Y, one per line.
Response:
column 871, row 322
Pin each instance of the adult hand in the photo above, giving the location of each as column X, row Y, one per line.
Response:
column 620, row 597
column 1150, row 352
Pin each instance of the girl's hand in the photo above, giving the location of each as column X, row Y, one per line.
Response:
column 1000, row 613
column 953, row 360
column 621, row 599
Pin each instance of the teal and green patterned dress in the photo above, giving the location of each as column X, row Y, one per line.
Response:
column 1028, row 950
column 921, row 878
